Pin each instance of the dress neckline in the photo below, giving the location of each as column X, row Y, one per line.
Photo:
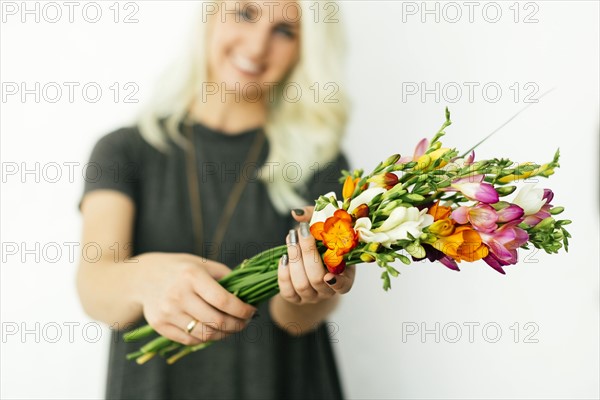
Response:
column 214, row 134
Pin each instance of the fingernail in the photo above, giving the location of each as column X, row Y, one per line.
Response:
column 332, row 281
column 284, row 260
column 304, row 229
column 293, row 236
column 298, row 211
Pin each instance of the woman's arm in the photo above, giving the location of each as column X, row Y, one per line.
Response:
column 168, row 289
column 106, row 286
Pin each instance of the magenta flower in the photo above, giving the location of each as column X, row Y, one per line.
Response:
column 474, row 188
column 503, row 244
column 509, row 212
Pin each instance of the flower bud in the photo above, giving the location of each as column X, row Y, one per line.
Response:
column 387, row 180
column 374, row 247
column 386, row 257
column 368, row 258
column 361, row 211
column 556, row 210
column 505, row 190
column 413, row 197
column 391, row 160
column 443, row 227
column 394, row 192
column 558, row 235
column 349, row 186
column 544, row 224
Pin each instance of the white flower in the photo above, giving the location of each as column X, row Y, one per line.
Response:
column 397, row 226
column 321, row 216
column 364, row 198
column 530, row 199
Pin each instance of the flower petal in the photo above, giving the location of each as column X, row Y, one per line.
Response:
column 510, row 213
column 483, row 192
column 461, row 215
column 483, row 218
column 530, row 199
column 365, row 198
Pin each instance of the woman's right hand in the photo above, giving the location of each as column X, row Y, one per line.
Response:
column 178, row 288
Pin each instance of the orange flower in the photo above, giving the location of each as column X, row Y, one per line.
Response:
column 349, row 186
column 464, row 244
column 439, row 212
column 338, row 235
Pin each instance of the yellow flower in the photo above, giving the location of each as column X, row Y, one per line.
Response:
column 442, row 227
column 544, row 170
column 426, row 160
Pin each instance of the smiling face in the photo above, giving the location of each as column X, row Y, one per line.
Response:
column 255, row 46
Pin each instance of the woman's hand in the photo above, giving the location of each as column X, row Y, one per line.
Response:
column 302, row 276
column 181, row 288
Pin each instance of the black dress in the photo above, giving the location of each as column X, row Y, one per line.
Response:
column 261, row 362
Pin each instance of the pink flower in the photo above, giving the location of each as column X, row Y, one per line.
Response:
column 421, row 148
column 474, row 188
column 482, row 217
column 503, row 244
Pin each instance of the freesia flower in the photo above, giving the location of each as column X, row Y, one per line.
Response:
column 464, row 244
column 508, row 212
column 439, row 212
column 397, row 226
column 365, row 197
column 426, row 160
column 420, row 149
column 349, row 186
column 474, row 188
column 338, row 235
column 387, row 180
column 530, row 199
column 544, row 170
column 482, row 217
column 503, row 244
column 543, row 213
column 328, row 211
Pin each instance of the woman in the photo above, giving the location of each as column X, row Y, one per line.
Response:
column 206, row 180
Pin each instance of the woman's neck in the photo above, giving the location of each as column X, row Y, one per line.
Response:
column 228, row 117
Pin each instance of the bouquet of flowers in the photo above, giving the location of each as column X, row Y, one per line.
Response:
column 435, row 204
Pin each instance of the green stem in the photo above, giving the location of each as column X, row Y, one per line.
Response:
column 138, row 333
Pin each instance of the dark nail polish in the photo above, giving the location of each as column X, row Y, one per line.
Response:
column 332, row 281
column 298, row 211
column 304, row 229
column 285, row 260
column 293, row 236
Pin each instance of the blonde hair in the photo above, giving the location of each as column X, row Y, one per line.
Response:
column 306, row 133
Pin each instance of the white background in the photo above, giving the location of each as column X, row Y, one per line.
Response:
column 558, row 295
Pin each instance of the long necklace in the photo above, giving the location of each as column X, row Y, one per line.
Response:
column 232, row 201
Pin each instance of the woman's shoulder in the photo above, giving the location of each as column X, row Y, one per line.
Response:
column 121, row 139
column 125, row 144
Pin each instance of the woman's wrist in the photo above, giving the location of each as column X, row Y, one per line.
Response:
column 299, row 319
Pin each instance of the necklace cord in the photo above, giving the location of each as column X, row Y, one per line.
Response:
column 194, row 191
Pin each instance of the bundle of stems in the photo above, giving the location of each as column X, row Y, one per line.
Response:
column 253, row 281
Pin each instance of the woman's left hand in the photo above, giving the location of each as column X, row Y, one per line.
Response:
column 302, row 277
